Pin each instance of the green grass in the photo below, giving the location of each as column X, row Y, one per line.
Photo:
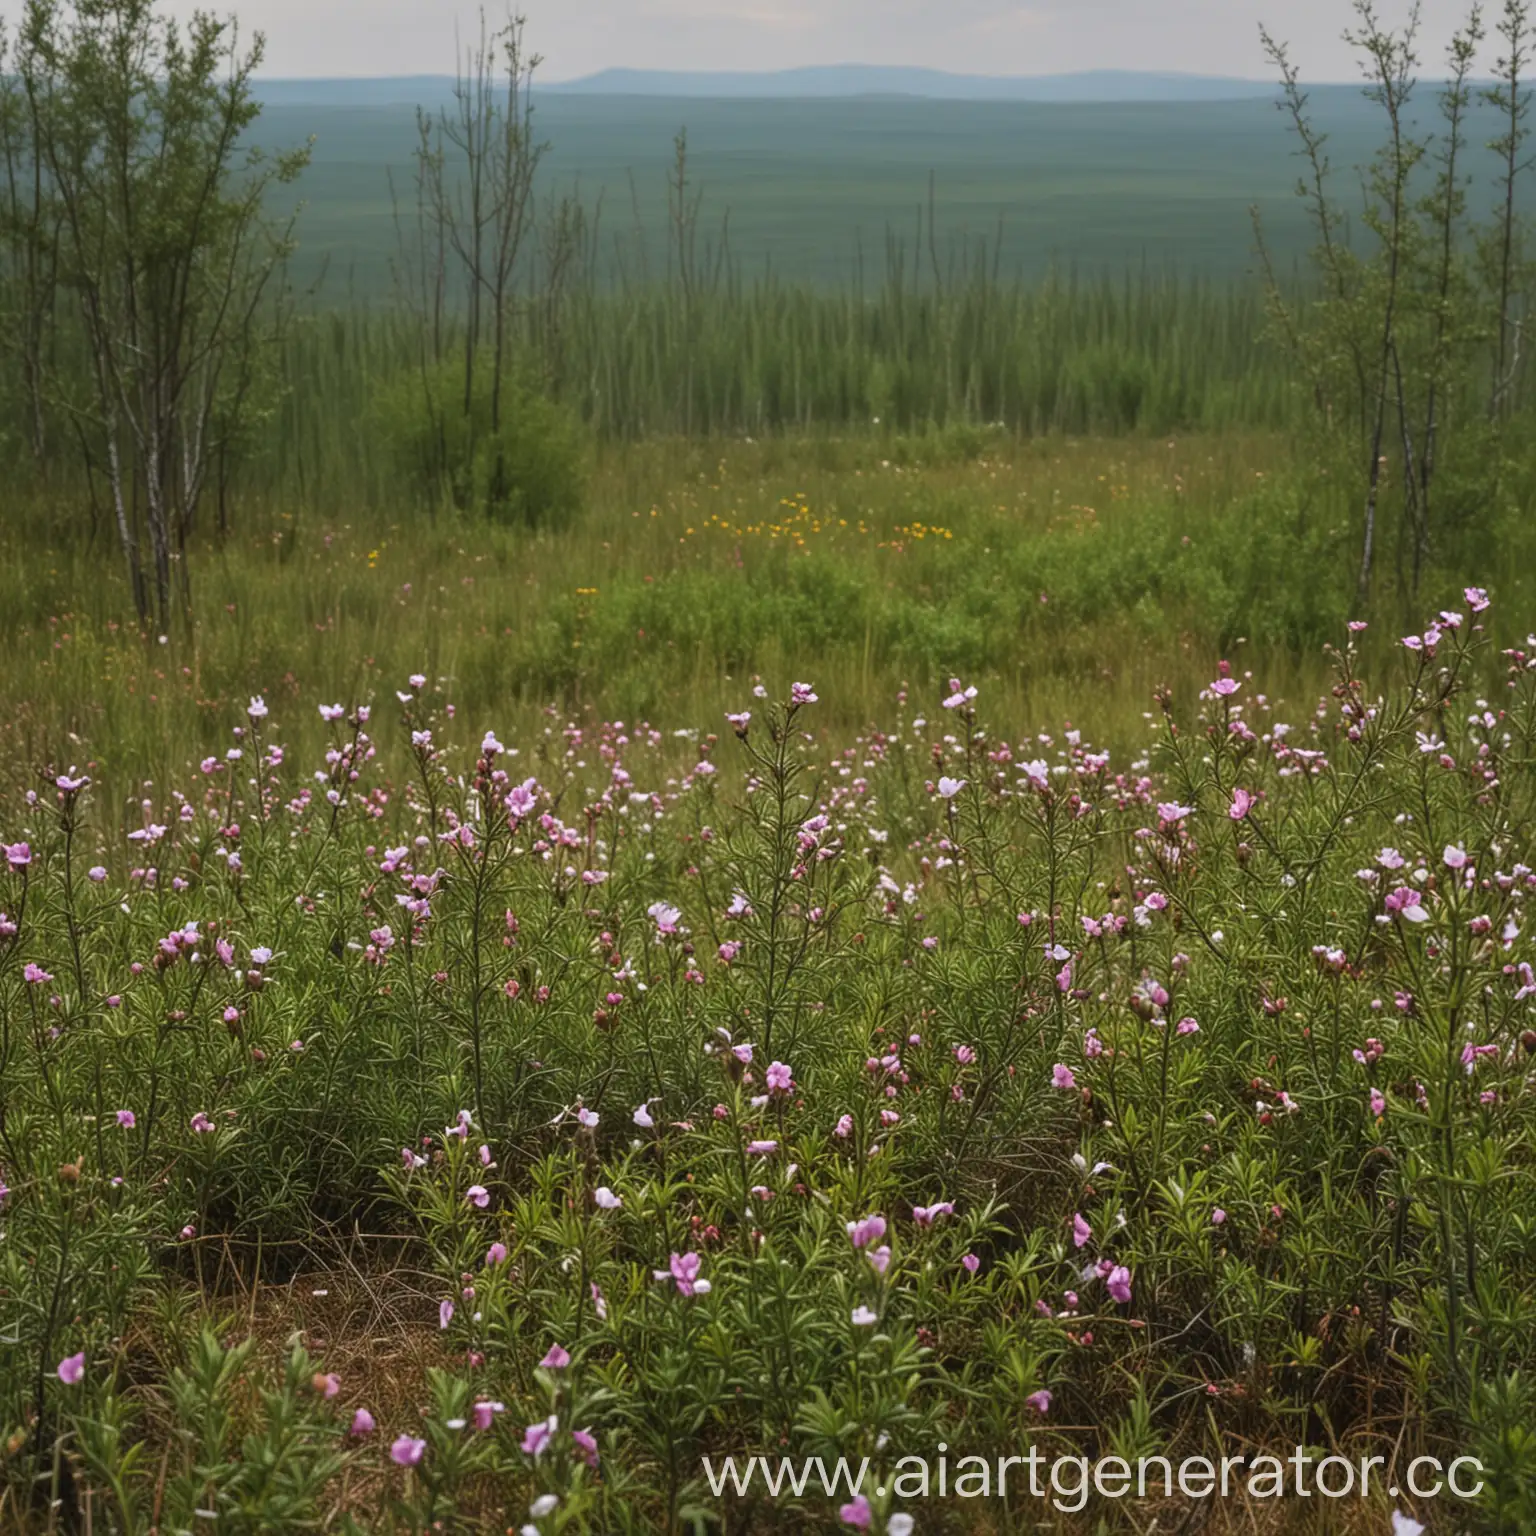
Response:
column 1072, row 575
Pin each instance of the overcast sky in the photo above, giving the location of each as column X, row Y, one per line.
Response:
column 998, row 37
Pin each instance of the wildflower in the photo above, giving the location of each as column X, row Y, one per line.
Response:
column 642, row 1118
column 545, row 1504
column 1188, row 1027
column 478, row 1195
column 1081, row 1230
column 1378, row 1103
column 857, row 1513
column 866, row 1231
column 1403, row 1525
column 683, row 1268
column 606, row 1199
column 406, row 1451
column 444, row 1314
column 862, row 1317
column 17, row 855
column 587, row 1117
column 926, row 1215
column 949, row 788
column 1040, row 1401
column 880, row 1257
column 362, row 1423
column 200, row 1123
column 126, row 1119
column 485, row 1413
column 1118, row 1281
column 1061, row 1077
column 802, row 693
column 96, row 874
column 971, row 1262
column 586, row 1441
column 1242, row 803
column 779, row 1077
column 1218, row 1216
column 1406, row 902
column 72, row 1368
column 556, row 1359
column 35, row 975
column 960, row 696
column 1455, row 857
column 666, row 917
column 327, row 1383
column 257, row 708
column 537, row 1436
column 496, row 1254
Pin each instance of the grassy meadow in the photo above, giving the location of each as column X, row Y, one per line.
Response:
column 850, row 870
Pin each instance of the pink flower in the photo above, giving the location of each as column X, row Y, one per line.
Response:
column 496, row 1254
column 1455, row 857
column 802, row 693
column 407, row 1452
column 926, row 1215
column 1218, row 1216
column 780, row 1079
column 1477, row 598
column 200, row 1123
column 1118, row 1280
column 606, row 1199
column 1242, row 803
column 1061, row 1077
column 1081, row 1231
column 35, row 975
column 444, row 1313
column 478, row 1195
column 683, row 1268
column 862, row 1317
column 665, row 916
column 1188, row 1027
column 1040, row 1401
column 880, row 1257
column 485, row 1413
column 125, row 1118
column 586, row 1442
column 72, row 1368
column 536, row 1437
column 971, row 1262
column 762, row 1148
column 1378, row 1103
column 857, row 1513
column 844, row 1127
column 362, row 1423
column 869, row 1230
column 17, row 855
column 327, row 1385
column 556, row 1359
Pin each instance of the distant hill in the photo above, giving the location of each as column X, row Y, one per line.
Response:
column 818, row 81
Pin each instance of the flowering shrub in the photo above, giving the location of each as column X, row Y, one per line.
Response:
column 847, row 1099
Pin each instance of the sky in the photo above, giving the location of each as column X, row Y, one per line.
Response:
column 993, row 37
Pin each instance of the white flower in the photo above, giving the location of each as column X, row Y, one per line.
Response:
column 949, row 788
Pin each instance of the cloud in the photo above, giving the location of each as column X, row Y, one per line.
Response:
column 577, row 37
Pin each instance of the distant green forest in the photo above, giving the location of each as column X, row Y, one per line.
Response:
column 811, row 184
